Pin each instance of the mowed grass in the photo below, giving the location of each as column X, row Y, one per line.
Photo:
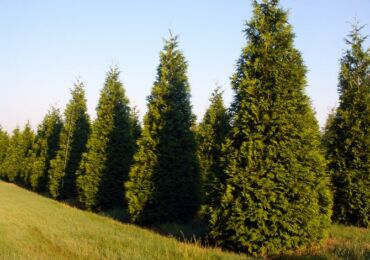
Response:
column 35, row 227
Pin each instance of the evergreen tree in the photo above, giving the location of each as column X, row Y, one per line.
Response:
column 72, row 144
column 347, row 136
column 163, row 182
column 105, row 165
column 276, row 194
column 45, row 149
column 211, row 134
column 15, row 160
column 28, row 138
column 136, row 126
column 13, row 157
column 4, row 143
column 327, row 131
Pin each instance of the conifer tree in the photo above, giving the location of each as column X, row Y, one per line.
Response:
column 13, row 157
column 163, row 182
column 347, row 136
column 15, row 161
column 45, row 149
column 28, row 138
column 136, row 126
column 105, row 165
column 211, row 134
column 4, row 144
column 72, row 144
column 276, row 194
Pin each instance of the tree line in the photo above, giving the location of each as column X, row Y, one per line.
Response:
column 259, row 173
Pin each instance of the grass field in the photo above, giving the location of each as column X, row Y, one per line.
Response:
column 34, row 227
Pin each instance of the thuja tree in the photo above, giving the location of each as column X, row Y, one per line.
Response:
column 28, row 138
column 10, row 166
column 15, row 163
column 105, row 165
column 45, row 149
column 136, row 125
column 211, row 134
column 163, row 182
column 276, row 194
column 4, row 144
column 72, row 144
column 347, row 136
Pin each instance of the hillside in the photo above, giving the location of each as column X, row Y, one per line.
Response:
column 35, row 227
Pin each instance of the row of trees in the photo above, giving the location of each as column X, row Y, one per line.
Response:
column 256, row 173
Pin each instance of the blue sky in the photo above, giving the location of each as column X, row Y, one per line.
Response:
column 46, row 45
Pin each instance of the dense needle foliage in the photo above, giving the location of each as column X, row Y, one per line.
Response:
column 44, row 150
column 106, row 163
column 72, row 144
column 15, row 157
column 163, row 184
column 347, row 136
column 211, row 134
column 276, row 195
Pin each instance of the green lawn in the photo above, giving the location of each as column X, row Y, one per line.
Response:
column 34, row 227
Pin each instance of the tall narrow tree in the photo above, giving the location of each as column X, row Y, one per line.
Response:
column 15, row 161
column 348, row 136
column 105, row 165
column 45, row 149
column 163, row 184
column 4, row 144
column 211, row 134
column 28, row 139
column 276, row 194
column 136, row 125
column 72, row 144
column 14, row 155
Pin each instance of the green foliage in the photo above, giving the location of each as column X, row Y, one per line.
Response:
column 211, row 134
column 105, row 165
column 72, row 144
column 276, row 194
column 136, row 125
column 15, row 154
column 15, row 162
column 45, row 148
column 4, row 144
column 28, row 139
column 163, row 182
column 347, row 136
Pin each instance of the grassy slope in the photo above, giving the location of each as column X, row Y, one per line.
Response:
column 34, row 227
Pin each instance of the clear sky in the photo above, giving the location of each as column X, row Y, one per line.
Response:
column 46, row 45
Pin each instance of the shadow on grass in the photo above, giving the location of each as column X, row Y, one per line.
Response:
column 337, row 251
column 194, row 231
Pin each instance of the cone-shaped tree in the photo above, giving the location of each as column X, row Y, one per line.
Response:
column 276, row 194
column 4, row 144
column 15, row 163
column 13, row 157
column 72, row 144
column 163, row 182
column 211, row 134
column 348, row 136
column 28, row 139
column 110, row 147
column 45, row 148
column 327, row 131
column 136, row 125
